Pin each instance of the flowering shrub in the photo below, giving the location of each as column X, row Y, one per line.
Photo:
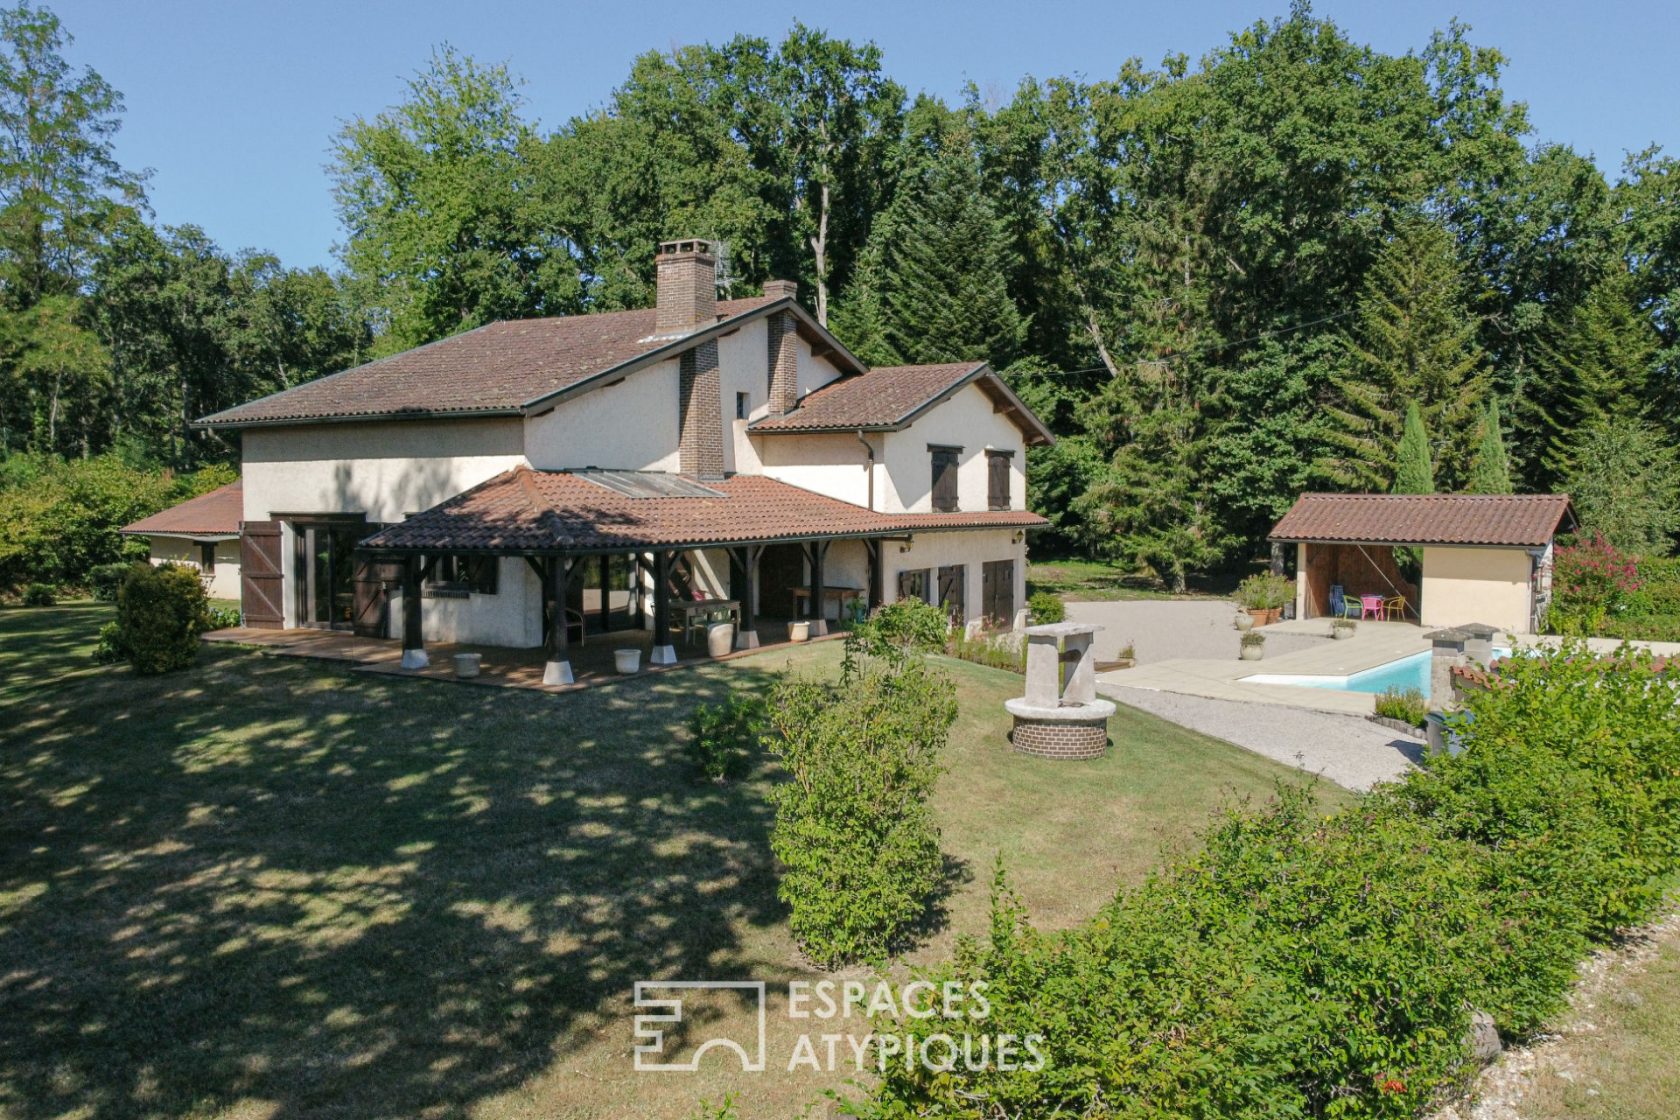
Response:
column 1592, row 582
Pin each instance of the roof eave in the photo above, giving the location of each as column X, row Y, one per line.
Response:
column 211, row 422
column 993, row 385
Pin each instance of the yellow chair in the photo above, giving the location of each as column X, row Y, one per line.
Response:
column 1395, row 608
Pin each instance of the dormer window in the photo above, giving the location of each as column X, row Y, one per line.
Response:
column 944, row 477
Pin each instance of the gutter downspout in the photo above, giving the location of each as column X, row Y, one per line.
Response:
column 869, row 467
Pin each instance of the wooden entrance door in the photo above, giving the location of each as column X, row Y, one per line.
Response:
column 373, row 581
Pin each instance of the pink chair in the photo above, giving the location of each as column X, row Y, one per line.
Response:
column 1371, row 606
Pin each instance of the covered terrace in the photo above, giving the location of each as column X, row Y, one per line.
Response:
column 728, row 542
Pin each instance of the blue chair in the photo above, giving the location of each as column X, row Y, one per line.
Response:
column 1340, row 604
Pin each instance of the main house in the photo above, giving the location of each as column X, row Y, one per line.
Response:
column 520, row 483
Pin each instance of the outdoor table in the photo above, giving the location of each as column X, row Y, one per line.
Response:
column 697, row 613
column 836, row 595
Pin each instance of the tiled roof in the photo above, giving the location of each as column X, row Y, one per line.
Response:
column 215, row 514
column 494, row 369
column 1525, row 520
column 880, row 398
column 530, row 510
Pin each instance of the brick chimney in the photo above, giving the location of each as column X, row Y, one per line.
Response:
column 776, row 289
column 687, row 286
column 783, row 361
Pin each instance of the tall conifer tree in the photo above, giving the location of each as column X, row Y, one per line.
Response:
column 1414, row 473
column 1490, row 470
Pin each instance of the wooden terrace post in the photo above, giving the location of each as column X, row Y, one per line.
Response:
column 747, row 561
column 414, row 644
column 876, row 573
column 558, row 670
column 606, row 594
column 664, row 653
column 819, row 620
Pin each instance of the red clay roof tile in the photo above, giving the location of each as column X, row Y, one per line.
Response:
column 496, row 368
column 526, row 510
column 217, row 513
column 1525, row 520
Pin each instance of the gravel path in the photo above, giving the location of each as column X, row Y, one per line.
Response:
column 1166, row 629
column 1348, row 750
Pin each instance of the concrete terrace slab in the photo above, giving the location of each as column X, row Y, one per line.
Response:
column 1373, row 644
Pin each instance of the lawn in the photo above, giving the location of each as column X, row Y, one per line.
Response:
column 1092, row 580
column 270, row 888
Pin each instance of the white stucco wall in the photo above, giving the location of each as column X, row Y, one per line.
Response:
column 628, row 426
column 224, row 581
column 966, row 420
column 971, row 549
column 1488, row 585
column 385, row 470
column 511, row 617
column 828, row 463
column 813, row 372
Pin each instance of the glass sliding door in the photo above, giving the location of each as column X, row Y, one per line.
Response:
column 327, row 571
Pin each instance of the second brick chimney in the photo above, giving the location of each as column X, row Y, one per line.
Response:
column 686, row 292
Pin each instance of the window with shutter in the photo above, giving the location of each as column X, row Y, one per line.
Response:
column 944, row 478
column 997, row 479
column 913, row 584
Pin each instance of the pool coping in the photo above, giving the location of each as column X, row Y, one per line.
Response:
column 1373, row 644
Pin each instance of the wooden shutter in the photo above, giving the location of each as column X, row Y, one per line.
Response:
column 997, row 591
column 372, row 586
column 997, row 480
column 951, row 580
column 944, row 480
column 261, row 579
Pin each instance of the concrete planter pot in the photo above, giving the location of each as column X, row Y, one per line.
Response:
column 1252, row 653
column 467, row 665
column 799, row 631
column 1341, row 633
column 627, row 661
column 1244, row 621
column 720, row 638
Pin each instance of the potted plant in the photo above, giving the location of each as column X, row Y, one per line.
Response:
column 1342, row 628
column 1253, row 646
column 1263, row 596
column 1244, row 621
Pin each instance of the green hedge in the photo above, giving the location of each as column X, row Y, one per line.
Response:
column 1304, row 966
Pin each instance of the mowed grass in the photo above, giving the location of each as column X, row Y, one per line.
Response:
column 269, row 888
column 1625, row 1067
column 1093, row 580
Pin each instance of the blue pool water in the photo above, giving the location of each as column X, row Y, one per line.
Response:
column 1407, row 672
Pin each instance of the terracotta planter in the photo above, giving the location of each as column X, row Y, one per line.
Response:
column 1258, row 616
column 1274, row 615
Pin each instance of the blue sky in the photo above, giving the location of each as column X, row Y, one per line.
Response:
column 232, row 103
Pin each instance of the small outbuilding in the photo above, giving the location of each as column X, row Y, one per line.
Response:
column 1485, row 557
column 202, row 533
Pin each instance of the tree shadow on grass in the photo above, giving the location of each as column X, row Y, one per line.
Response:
column 348, row 895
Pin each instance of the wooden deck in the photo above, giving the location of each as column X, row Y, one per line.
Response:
column 592, row 662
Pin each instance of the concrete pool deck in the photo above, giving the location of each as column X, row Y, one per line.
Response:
column 1373, row 644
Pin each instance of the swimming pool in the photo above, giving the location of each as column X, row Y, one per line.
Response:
column 1404, row 673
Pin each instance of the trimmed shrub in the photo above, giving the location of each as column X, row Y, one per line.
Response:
column 1046, row 608
column 854, row 834
column 161, row 611
column 104, row 579
column 40, row 595
column 721, row 736
column 108, row 650
column 1408, row 705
